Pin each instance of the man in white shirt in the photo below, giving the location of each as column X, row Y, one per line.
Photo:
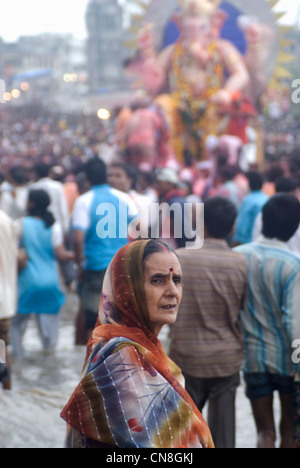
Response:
column 13, row 198
column 8, row 289
column 123, row 177
column 100, row 221
column 55, row 190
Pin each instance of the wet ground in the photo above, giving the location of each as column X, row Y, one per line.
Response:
column 42, row 385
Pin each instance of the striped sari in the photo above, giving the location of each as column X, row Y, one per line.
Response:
column 130, row 394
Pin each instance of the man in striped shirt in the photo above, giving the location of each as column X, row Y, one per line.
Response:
column 206, row 340
column 271, row 318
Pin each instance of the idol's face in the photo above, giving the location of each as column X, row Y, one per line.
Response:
column 195, row 28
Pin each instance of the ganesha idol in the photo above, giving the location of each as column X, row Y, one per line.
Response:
column 201, row 75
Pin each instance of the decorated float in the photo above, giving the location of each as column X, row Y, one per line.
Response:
column 202, row 66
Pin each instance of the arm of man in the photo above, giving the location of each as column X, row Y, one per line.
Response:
column 80, row 224
column 61, row 252
column 290, row 306
column 78, row 240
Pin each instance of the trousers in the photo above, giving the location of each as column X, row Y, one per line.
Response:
column 220, row 394
column 48, row 327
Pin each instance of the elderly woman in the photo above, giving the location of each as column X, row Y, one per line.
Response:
column 131, row 393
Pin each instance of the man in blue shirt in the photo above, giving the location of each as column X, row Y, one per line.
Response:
column 251, row 206
column 271, row 319
column 100, row 223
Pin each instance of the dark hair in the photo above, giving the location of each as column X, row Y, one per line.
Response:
column 256, row 180
column 286, row 185
column 274, row 173
column 281, row 217
column 42, row 170
column 95, row 170
column 18, row 174
column 148, row 176
column 129, row 170
column 219, row 217
column 39, row 202
column 156, row 246
column 228, row 172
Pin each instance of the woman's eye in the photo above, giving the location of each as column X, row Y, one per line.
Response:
column 156, row 281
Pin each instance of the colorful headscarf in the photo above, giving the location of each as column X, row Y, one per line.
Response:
column 130, row 395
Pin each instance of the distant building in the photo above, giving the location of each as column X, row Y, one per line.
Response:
column 105, row 49
column 41, row 62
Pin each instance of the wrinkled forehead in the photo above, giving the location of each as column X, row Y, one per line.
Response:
column 162, row 263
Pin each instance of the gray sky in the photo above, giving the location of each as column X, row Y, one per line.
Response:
column 29, row 17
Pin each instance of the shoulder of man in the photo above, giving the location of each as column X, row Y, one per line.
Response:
column 125, row 198
column 84, row 198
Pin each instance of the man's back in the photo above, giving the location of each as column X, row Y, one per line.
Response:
column 250, row 207
column 206, row 340
column 271, row 306
column 103, row 214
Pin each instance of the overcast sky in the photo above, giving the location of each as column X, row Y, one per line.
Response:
column 30, row 17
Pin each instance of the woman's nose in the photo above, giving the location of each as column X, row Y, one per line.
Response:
column 171, row 289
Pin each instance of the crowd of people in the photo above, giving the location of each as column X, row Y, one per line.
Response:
column 32, row 134
column 72, row 220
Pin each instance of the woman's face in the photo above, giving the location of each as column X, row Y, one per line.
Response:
column 163, row 287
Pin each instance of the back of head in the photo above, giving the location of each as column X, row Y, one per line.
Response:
column 38, row 204
column 286, row 185
column 58, row 173
column 18, row 175
column 256, row 180
column 42, row 170
column 219, row 217
column 281, row 217
column 228, row 173
column 95, row 170
column 274, row 173
column 146, row 178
